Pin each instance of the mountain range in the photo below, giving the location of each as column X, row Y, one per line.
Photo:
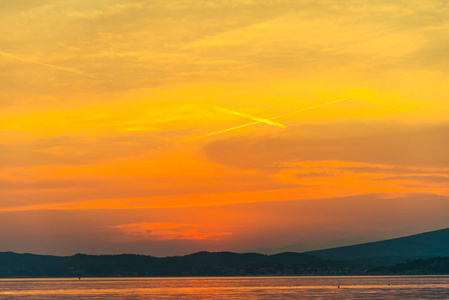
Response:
column 300, row 248
column 425, row 253
column 423, row 245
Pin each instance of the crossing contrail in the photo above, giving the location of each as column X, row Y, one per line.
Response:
column 260, row 120
column 272, row 118
column 29, row 60
column 309, row 108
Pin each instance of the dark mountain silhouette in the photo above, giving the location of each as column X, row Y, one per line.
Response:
column 197, row 264
column 412, row 251
column 434, row 265
column 301, row 248
column 388, row 252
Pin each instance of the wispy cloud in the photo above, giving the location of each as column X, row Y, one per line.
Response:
column 56, row 67
column 391, row 145
column 165, row 231
column 419, row 178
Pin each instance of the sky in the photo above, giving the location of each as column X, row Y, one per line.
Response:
column 169, row 127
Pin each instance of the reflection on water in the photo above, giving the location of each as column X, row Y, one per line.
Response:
column 363, row 287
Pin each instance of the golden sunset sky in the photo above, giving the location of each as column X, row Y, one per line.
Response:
column 116, row 118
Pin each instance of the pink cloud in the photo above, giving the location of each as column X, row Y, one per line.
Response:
column 165, row 231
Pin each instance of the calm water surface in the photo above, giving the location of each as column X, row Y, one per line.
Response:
column 379, row 287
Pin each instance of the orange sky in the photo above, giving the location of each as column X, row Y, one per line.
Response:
column 166, row 127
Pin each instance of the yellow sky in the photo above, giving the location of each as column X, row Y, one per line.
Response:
column 128, row 106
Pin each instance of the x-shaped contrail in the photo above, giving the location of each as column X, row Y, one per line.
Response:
column 269, row 119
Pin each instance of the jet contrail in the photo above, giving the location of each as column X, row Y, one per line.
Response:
column 232, row 112
column 66, row 69
column 275, row 117
column 259, row 120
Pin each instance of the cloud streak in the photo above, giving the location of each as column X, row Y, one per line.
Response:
column 166, row 231
column 260, row 120
column 56, row 67
column 391, row 145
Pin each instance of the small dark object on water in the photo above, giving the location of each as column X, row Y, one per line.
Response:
column 79, row 278
column 338, row 286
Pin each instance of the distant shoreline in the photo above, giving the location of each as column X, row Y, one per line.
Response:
column 209, row 264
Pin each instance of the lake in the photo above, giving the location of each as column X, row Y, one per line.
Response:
column 350, row 287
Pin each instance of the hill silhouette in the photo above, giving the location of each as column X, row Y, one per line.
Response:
column 380, row 257
column 434, row 265
column 197, row 264
column 302, row 248
column 388, row 252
